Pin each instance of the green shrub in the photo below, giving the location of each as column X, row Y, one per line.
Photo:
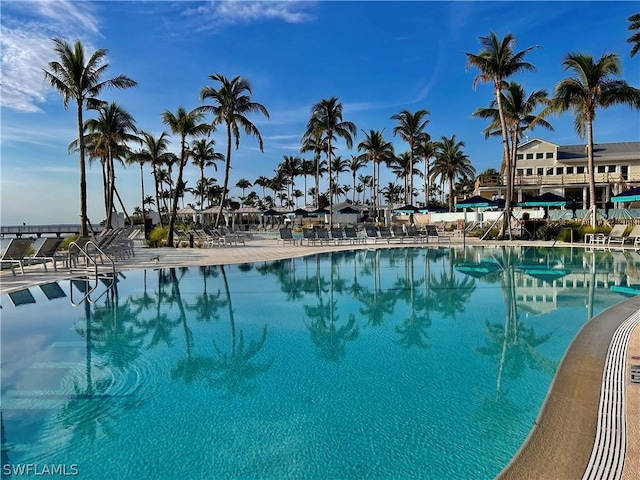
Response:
column 158, row 236
column 67, row 240
column 549, row 232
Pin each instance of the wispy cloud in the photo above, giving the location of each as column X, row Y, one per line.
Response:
column 217, row 13
column 27, row 28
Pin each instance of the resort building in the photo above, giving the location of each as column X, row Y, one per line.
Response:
column 543, row 166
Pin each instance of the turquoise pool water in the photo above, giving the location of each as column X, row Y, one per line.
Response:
column 399, row 363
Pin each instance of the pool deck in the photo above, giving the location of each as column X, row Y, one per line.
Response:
column 559, row 445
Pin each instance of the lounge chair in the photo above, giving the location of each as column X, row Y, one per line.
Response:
column 386, row 234
column 616, row 235
column 432, row 232
column 15, row 252
column 309, row 234
column 48, row 250
column 286, row 237
column 323, row 236
column 414, row 234
column 398, row 233
column 371, row 233
column 337, row 235
column 351, row 234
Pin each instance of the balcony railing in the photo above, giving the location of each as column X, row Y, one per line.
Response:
column 567, row 179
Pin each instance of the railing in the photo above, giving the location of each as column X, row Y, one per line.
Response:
column 92, row 266
column 37, row 230
column 564, row 179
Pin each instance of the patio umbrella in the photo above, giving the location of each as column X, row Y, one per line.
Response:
column 547, row 274
column 627, row 291
column 432, row 208
column 632, row 195
column 301, row 212
column 477, row 202
column 547, row 199
column 348, row 211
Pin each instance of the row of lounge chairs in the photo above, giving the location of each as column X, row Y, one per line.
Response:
column 368, row 233
column 617, row 237
column 109, row 245
column 207, row 238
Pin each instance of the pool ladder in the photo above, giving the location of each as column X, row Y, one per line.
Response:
column 83, row 283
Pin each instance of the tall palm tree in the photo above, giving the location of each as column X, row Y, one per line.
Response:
column 155, row 152
column 338, row 166
column 376, row 150
column 634, row 40
column 313, row 141
column 231, row 103
column 451, row 163
column 326, row 120
column 410, row 128
column 308, row 168
column 590, row 86
column 203, row 154
column 109, row 134
column 81, row 81
column 262, row 182
column 243, row 184
column 355, row 164
column 186, row 124
column 291, row 167
column 140, row 158
column 425, row 150
column 519, row 115
column 497, row 62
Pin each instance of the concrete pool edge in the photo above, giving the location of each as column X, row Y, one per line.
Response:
column 561, row 440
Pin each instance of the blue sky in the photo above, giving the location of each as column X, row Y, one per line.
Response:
column 376, row 57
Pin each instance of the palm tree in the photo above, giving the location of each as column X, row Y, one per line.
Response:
column 451, row 163
column 75, row 79
column 519, row 116
column 243, row 184
column 497, row 62
column 203, row 155
column 425, row 150
column 410, row 128
column 326, row 122
column 376, row 150
column 338, row 166
column 308, row 168
column 262, row 182
column 355, row 164
column 291, row 167
column 314, row 142
column 231, row 103
column 186, row 124
column 109, row 134
column 155, row 152
column 590, row 87
column 140, row 158
column 634, row 24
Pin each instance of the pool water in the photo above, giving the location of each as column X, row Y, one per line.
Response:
column 390, row 363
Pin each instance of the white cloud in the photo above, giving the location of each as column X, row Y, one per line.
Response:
column 228, row 12
column 27, row 29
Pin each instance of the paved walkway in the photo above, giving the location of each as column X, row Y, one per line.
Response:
column 560, row 444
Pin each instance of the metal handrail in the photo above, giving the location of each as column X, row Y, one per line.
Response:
column 96, row 274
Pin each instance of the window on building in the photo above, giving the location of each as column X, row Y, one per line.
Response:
column 611, row 169
column 539, row 155
column 624, row 171
column 549, row 171
column 579, row 170
column 569, row 170
column 540, row 171
column 519, row 172
column 549, row 154
column 529, row 172
column 520, row 156
column 529, row 156
column 601, row 169
column 559, row 170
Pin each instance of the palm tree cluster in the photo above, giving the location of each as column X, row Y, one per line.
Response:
column 109, row 137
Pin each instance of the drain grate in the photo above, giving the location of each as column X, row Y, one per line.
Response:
column 635, row 374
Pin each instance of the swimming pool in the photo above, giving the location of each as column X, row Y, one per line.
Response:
column 388, row 363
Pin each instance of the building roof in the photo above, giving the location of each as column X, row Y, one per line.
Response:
column 602, row 151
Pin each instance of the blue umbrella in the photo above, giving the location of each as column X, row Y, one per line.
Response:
column 406, row 209
column 547, row 199
column 632, row 195
column 477, row 202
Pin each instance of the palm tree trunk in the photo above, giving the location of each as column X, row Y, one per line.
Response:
column 506, row 224
column 317, row 192
column 227, row 167
column 83, row 172
column 592, row 173
column 142, row 189
column 176, row 195
column 155, row 180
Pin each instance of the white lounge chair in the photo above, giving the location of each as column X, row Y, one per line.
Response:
column 48, row 250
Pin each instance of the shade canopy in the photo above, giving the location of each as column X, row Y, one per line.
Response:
column 477, row 202
column 432, row 208
column 319, row 211
column 408, row 209
column 628, row 291
column 547, row 199
column 547, row 274
column 632, row 195
column 271, row 213
column 301, row 212
column 188, row 210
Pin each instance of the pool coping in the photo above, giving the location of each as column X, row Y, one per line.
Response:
column 558, row 446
